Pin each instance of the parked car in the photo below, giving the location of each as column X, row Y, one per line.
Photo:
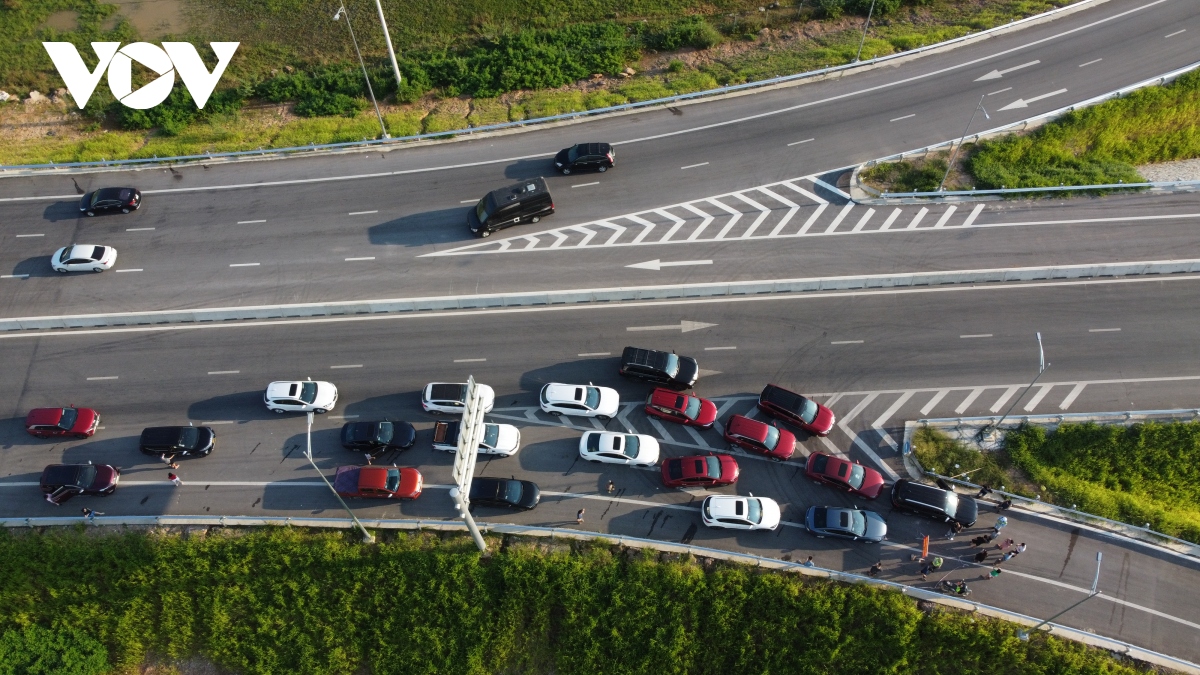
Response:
column 792, row 407
column 579, row 400
column 63, row 481
column 760, row 438
column 844, row 475
column 585, row 157
column 300, row 396
column 498, row 439
column 711, row 470
column 528, row 202
column 853, row 524
column 740, row 513
column 934, row 502
column 373, row 438
column 183, row 441
column 447, row 397
column 666, row 368
column 683, row 409
column 378, row 482
column 505, row 493
column 106, row 200
column 614, row 447
column 57, row 422
column 83, row 258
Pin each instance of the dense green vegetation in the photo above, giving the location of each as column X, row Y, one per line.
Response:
column 286, row 601
column 946, row 456
column 906, row 176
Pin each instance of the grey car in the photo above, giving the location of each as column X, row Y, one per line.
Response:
column 853, row 524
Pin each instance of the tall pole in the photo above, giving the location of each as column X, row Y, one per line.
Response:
column 370, row 89
column 366, row 535
column 1042, row 366
column 388, row 39
column 470, row 433
column 865, row 27
column 1024, row 635
column 978, row 107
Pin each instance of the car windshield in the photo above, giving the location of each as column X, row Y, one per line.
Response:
column 593, row 398
column 672, row 367
column 856, row 476
column 69, row 415
column 491, row 435
column 712, row 467
column 573, row 153
column 632, row 443
column 66, row 255
column 308, row 391
column 593, row 442
column 189, row 438
column 85, row 477
column 692, row 409
column 951, row 502
column 393, row 480
column 95, row 197
column 512, row 492
column 754, row 511
column 808, row 411
column 481, row 211
column 854, row 522
column 384, row 432
column 772, row 438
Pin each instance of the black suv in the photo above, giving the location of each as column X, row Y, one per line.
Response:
column 585, row 157
column 934, row 502
column 185, row 441
column 376, row 437
column 110, row 199
column 528, row 202
column 676, row 372
column 504, row 492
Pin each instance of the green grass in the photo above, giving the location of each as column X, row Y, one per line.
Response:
column 485, row 111
column 907, row 176
column 546, row 104
column 945, row 456
column 286, row 601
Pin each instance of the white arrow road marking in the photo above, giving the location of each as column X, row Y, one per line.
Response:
column 684, row 326
column 657, row 265
column 997, row 74
column 1024, row 102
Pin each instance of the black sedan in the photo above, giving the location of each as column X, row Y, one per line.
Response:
column 376, row 437
column 183, row 441
column 110, row 199
column 505, row 493
column 60, row 482
column 853, row 524
column 585, row 157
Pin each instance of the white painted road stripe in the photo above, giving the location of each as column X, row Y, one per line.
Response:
column 14, row 276
column 361, row 213
column 719, row 349
column 999, row 91
column 1090, row 62
column 887, row 414
column 977, row 335
column 1008, row 393
column 863, row 221
column 1175, row 33
column 897, row 119
column 890, row 219
column 1037, row 398
column 106, row 377
column 224, row 372
column 595, row 354
column 20, row 236
column 840, row 217
column 1075, row 391
column 846, row 342
column 368, row 257
column 354, row 365
column 974, row 214
column 968, row 400
column 692, row 166
column 132, row 269
column 937, row 398
column 917, row 219
column 469, row 201
column 1104, row 330
column 595, row 182
column 469, row 360
column 807, row 140
column 945, row 216
column 244, row 264
column 138, row 229
column 250, row 222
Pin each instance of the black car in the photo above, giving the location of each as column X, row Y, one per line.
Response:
column 527, row 202
column 934, row 502
column 854, row 524
column 676, row 372
column 183, row 441
column 60, row 482
column 504, row 492
column 585, row 157
column 110, row 199
column 377, row 437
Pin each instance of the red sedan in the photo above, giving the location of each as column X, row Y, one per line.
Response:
column 378, row 482
column 709, row 470
column 53, row 422
column 760, row 437
column 681, row 408
column 844, row 475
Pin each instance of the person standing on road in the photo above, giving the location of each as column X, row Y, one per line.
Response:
column 983, row 492
column 174, row 479
column 50, row 498
column 579, row 517
column 809, row 562
column 955, row 528
column 981, row 556
column 875, row 569
column 1000, row 523
column 1002, row 546
column 1008, row 555
column 1021, row 547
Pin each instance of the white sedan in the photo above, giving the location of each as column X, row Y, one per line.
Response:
column 297, row 396
column 83, row 258
column 740, row 513
column 614, row 447
column 580, row 400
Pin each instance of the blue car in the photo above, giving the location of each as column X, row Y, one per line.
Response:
column 853, row 524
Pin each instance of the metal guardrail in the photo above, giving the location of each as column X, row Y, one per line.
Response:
column 603, row 295
column 783, row 79
column 1159, row 185
column 1058, row 630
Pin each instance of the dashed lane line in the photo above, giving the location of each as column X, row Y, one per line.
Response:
column 693, row 166
column 595, row 354
column 103, row 377
column 22, row 236
column 807, row 140
column 897, row 119
column 344, row 367
column 138, row 229
column 1169, row 35
column 1104, row 330
column 1090, row 62
column 975, row 335
column 579, row 185
column 224, row 372
column 366, row 257
column 469, row 360
column 244, row 264
column 846, row 342
column 361, row 213
column 720, row 349
column 131, row 269
column 250, row 222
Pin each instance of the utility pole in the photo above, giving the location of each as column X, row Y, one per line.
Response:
column 470, row 433
column 370, row 90
column 865, row 27
column 962, row 140
column 1024, row 635
column 988, row 429
column 367, row 537
column 387, row 38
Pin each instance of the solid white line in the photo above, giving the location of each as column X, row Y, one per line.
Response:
column 832, row 188
column 719, row 349
column 246, row 222
column 897, row 119
column 14, row 276
column 138, row 229
column 595, row 354
column 977, row 335
column 369, row 257
column 840, row 216
column 595, row 182
column 355, row 365
column 937, row 398
column 20, row 236
column 1008, row 393
column 469, row 360
column 468, row 201
column 1075, row 391
column 133, row 269
column 968, row 400
column 999, row 91
column 224, row 372
column 361, row 213
column 692, row 166
column 974, row 214
column 1037, row 398
column 846, row 342
column 1090, row 62
column 945, row 217
column 244, row 264
column 106, row 377
column 890, row 219
column 1175, row 33
column 807, row 140
column 1104, row 330
column 221, row 422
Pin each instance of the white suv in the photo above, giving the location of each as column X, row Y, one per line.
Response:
column 740, row 513
column 447, row 397
column 300, row 396
column 580, row 400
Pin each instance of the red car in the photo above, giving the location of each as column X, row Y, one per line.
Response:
column 682, row 408
column 51, row 422
column 765, row 439
column 844, row 475
column 709, row 470
column 378, row 482
column 796, row 409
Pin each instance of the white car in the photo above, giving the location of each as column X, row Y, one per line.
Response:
column 83, row 258
column 580, row 400
column 300, row 396
column 450, row 397
column 614, row 447
column 740, row 513
column 502, row 440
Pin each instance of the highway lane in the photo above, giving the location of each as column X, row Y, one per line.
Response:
column 909, row 340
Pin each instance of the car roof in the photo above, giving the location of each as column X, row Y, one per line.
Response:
column 573, row 393
column 668, row 399
column 644, row 357
column 920, row 492
column 84, row 250
column 447, row 391
column 725, row 506
column 531, row 187
column 281, row 388
column 44, row 416
column 695, row 465
column 783, row 397
column 373, row 476
column 157, row 434
column 751, row 428
column 593, row 148
column 61, row 474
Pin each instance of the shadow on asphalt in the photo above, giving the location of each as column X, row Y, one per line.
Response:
column 422, row 229
column 38, row 266
column 524, row 169
column 62, row 211
column 246, row 405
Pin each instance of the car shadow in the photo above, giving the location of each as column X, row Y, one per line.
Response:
column 421, row 229
column 599, row 371
column 524, row 169
column 37, row 266
column 242, row 406
column 62, row 211
column 12, row 433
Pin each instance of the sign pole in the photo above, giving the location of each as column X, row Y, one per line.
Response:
column 470, row 433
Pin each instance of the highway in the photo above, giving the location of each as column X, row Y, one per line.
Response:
column 727, row 190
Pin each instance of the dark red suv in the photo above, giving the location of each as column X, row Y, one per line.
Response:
column 53, row 422
column 844, row 475
column 760, row 437
column 709, row 470
column 682, row 408
column 792, row 407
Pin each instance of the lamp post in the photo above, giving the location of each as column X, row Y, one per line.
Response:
column 387, row 38
column 962, row 140
column 1042, row 366
column 1024, row 635
column 865, row 27
column 470, row 433
column 370, row 90
column 367, row 537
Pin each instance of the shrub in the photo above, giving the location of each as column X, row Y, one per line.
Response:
column 644, row 90
column 943, row 455
column 549, row 103
column 907, row 177
column 34, row 650
column 603, row 99
column 691, row 81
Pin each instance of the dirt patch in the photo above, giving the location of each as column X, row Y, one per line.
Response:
column 65, row 21
column 153, row 19
column 193, row 666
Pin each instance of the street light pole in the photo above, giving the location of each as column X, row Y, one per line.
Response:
column 962, row 140
column 388, row 39
column 865, row 27
column 367, row 537
column 1024, row 635
column 470, row 433
column 1042, row 366
column 370, row 90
